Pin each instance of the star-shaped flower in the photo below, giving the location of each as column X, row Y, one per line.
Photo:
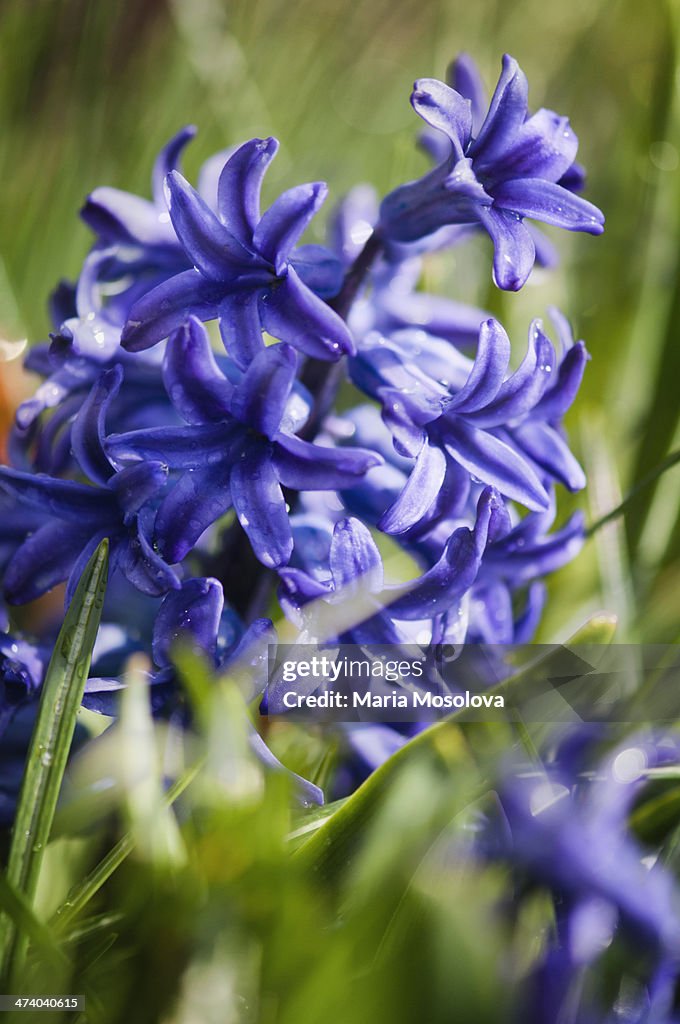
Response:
column 243, row 270
column 510, row 169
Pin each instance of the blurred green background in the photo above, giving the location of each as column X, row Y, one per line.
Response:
column 91, row 90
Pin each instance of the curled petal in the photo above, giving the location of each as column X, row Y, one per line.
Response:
column 179, row 447
column 419, row 494
column 285, row 221
column 209, row 245
column 553, row 204
column 238, row 190
column 559, row 398
column 545, row 147
column 167, row 161
column 89, row 426
column 496, row 463
column 62, row 498
column 355, row 561
column 312, row 467
column 191, row 612
column 260, row 507
column 193, row 381
column 260, row 397
column 488, row 371
column 444, row 109
column 518, row 564
column 514, row 249
column 519, row 394
column 443, row 585
column 293, row 313
column 43, row 560
column 545, row 446
column 241, row 327
column 165, row 307
column 507, row 112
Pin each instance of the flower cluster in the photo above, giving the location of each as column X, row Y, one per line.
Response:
column 218, row 462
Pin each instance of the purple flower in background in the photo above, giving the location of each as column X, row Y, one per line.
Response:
column 565, row 827
column 238, row 450
column 508, row 170
column 78, row 516
column 244, row 270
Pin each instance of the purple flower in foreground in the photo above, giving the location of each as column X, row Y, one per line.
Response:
column 238, row 450
column 244, row 269
column 79, row 516
column 566, row 828
column 510, row 169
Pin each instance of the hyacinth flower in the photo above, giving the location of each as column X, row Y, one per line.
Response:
column 78, row 516
column 86, row 342
column 244, row 272
column 507, row 597
column 355, row 569
column 464, row 78
column 509, row 170
column 193, row 615
column 475, row 423
column 239, row 448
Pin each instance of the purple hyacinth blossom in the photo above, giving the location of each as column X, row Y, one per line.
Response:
column 566, row 828
column 355, row 569
column 238, row 450
column 463, row 76
column 87, row 342
column 494, row 427
column 510, row 169
column 244, row 271
column 78, row 516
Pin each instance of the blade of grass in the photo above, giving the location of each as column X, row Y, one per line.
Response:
column 82, row 893
column 61, row 697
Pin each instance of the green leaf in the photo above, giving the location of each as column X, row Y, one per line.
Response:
column 450, row 742
column 62, row 693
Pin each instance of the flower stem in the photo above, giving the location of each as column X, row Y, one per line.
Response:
column 649, row 478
